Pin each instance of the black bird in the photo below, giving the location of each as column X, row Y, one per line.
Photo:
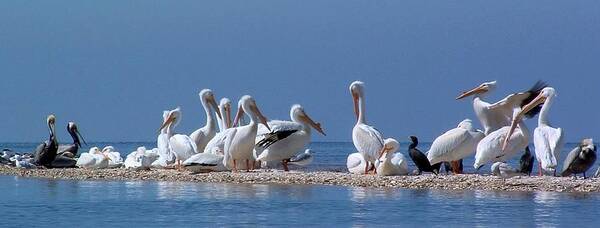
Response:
column 46, row 152
column 419, row 158
column 526, row 162
column 70, row 150
column 580, row 159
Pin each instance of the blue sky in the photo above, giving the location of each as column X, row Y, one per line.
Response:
column 113, row 66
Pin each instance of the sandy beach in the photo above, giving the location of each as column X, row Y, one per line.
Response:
column 428, row 181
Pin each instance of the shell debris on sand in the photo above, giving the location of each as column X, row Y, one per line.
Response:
column 429, row 181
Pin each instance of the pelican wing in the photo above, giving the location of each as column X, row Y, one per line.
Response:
column 366, row 131
column 571, row 157
column 548, row 142
column 446, row 143
column 279, row 130
column 227, row 159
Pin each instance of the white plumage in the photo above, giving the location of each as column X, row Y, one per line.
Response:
column 356, row 164
column 239, row 143
column 205, row 162
column 114, row 158
column 286, row 138
column 181, row 145
column 142, row 158
column 94, row 159
column 202, row 136
column 217, row 143
column 504, row 170
column 455, row 144
column 391, row 163
column 167, row 157
column 367, row 140
column 548, row 141
column 490, row 148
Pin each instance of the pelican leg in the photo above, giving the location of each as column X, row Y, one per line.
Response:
column 234, row 166
column 540, row 169
column 454, row 165
column 247, row 165
column 285, row 165
column 366, row 168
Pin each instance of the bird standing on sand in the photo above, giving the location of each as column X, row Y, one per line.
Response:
column 526, row 162
column 580, row 159
column 286, row 138
column 420, row 159
column 455, row 145
column 367, row 140
column 548, row 141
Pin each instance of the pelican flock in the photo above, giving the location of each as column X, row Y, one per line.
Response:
column 226, row 145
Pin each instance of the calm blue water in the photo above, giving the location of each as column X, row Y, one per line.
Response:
column 328, row 155
column 62, row 203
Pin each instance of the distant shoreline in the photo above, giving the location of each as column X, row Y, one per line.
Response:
column 447, row 182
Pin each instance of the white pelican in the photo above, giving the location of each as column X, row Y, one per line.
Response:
column 504, row 170
column 225, row 110
column 286, row 138
column 201, row 136
column 548, row 141
column 392, row 164
column 240, row 140
column 166, row 156
column 115, row 159
column 497, row 147
column 94, row 159
column 182, row 145
column 580, row 159
column 357, row 164
column 205, row 162
column 455, row 144
column 216, row 144
column 303, row 159
column 141, row 158
column 367, row 140
column 498, row 115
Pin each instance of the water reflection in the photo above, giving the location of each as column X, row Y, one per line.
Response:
column 139, row 203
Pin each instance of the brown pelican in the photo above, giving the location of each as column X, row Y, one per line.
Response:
column 70, row 150
column 580, row 159
column 46, row 152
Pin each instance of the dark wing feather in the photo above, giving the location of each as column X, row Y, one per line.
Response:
column 273, row 137
column 533, row 93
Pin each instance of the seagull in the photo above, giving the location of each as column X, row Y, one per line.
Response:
column 303, row 159
column 504, row 170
